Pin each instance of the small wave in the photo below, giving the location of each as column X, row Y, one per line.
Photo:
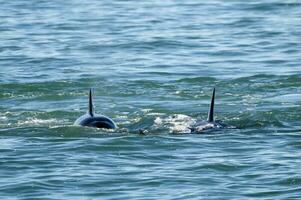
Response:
column 37, row 121
column 178, row 123
column 272, row 6
column 3, row 118
column 197, row 80
column 292, row 98
column 267, row 120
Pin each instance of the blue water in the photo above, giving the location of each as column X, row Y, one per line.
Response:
column 152, row 65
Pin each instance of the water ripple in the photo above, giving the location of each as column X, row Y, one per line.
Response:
column 147, row 62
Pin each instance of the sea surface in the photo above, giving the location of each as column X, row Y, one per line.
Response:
column 152, row 65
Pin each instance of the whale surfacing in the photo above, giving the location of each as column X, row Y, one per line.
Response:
column 210, row 123
column 93, row 120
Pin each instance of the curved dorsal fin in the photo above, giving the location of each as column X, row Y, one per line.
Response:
column 91, row 108
column 211, row 109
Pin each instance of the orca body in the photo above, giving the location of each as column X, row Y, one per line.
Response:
column 93, row 120
column 210, row 123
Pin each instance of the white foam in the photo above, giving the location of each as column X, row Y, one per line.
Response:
column 204, row 127
column 36, row 121
column 180, row 128
column 178, row 123
column 158, row 121
column 146, row 110
column 3, row 118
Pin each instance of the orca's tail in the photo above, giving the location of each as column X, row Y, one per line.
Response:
column 91, row 108
column 211, row 109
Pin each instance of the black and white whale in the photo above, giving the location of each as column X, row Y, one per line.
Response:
column 93, row 120
column 180, row 123
column 210, row 123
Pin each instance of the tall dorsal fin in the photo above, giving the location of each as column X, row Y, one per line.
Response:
column 211, row 109
column 91, row 108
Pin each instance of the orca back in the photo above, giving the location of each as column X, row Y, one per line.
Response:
column 98, row 121
column 92, row 120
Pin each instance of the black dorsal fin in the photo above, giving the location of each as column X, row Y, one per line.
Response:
column 211, row 109
column 91, row 108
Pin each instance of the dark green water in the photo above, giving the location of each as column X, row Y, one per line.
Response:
column 148, row 61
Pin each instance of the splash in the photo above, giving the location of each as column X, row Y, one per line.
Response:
column 36, row 121
column 177, row 123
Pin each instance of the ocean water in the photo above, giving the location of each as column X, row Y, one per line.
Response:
column 151, row 64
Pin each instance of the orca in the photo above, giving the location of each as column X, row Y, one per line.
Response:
column 210, row 123
column 93, row 120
